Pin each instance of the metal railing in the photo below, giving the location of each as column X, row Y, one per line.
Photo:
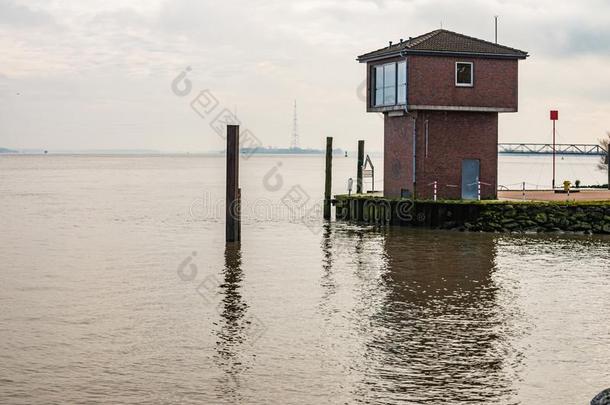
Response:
column 435, row 185
column 547, row 148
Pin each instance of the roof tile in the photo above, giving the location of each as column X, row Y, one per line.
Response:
column 444, row 41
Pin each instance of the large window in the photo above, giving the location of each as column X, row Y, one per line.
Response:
column 402, row 83
column 463, row 74
column 390, row 84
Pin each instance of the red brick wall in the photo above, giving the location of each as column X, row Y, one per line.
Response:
column 431, row 81
column 452, row 137
column 397, row 159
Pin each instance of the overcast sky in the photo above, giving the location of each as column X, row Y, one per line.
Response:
column 98, row 74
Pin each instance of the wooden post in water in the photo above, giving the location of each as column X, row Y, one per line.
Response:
column 360, row 164
column 328, row 178
column 233, row 214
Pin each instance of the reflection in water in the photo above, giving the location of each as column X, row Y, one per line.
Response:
column 430, row 320
column 233, row 325
column 328, row 283
column 442, row 319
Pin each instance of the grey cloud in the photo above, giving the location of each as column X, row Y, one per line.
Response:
column 542, row 28
column 563, row 39
column 124, row 17
column 587, row 40
column 221, row 23
column 12, row 13
column 232, row 39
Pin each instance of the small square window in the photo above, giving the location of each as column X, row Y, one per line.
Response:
column 463, row 74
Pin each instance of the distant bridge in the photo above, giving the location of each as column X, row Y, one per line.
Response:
column 547, row 148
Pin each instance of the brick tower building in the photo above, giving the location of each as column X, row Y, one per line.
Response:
column 440, row 94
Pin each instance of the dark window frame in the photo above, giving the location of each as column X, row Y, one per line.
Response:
column 374, row 87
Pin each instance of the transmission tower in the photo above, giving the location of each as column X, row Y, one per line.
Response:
column 294, row 139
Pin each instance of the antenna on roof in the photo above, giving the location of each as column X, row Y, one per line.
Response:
column 496, row 27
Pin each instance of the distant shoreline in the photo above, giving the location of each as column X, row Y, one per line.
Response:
column 287, row 151
column 155, row 154
column 146, row 152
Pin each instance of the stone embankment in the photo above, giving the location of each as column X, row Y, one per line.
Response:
column 479, row 216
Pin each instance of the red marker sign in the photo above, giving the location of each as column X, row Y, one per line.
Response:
column 554, row 115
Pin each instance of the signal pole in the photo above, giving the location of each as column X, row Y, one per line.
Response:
column 554, row 117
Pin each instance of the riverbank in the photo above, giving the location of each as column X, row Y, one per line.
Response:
column 586, row 217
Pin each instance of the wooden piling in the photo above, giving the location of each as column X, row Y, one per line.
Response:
column 360, row 165
column 238, row 211
column 233, row 211
column 328, row 178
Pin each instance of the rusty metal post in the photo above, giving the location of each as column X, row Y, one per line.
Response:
column 233, row 214
column 328, row 178
column 360, row 165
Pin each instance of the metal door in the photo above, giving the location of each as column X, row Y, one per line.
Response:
column 470, row 179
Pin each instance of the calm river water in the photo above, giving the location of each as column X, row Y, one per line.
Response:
column 116, row 287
